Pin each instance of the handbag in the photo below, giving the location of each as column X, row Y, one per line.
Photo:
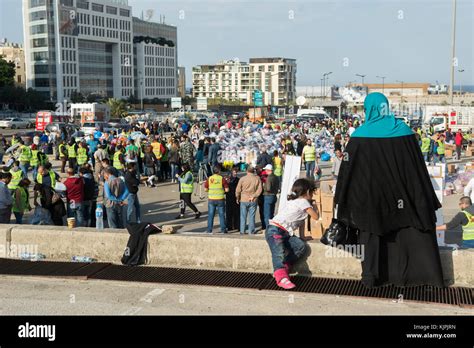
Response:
column 339, row 233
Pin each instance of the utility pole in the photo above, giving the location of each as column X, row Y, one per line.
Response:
column 453, row 55
column 383, row 83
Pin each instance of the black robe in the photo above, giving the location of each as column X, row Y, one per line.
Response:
column 384, row 190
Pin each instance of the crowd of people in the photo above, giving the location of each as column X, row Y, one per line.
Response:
column 107, row 170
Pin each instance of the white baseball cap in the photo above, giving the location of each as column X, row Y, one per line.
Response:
column 268, row 167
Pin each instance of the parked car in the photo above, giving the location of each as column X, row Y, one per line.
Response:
column 13, row 123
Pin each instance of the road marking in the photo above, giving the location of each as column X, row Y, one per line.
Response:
column 132, row 311
column 148, row 298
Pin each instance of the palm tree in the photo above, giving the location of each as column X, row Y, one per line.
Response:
column 118, row 107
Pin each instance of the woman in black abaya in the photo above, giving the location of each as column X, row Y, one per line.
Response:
column 384, row 190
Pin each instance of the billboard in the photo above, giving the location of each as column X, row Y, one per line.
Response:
column 176, row 103
column 68, row 21
column 201, row 103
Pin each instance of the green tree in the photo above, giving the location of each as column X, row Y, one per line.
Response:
column 7, row 73
column 118, row 107
column 77, row 97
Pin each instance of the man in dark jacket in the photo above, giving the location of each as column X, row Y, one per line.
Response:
column 132, row 183
column 90, row 197
column 214, row 153
column 264, row 158
column 270, row 191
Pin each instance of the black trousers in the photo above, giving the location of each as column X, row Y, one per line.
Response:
column 232, row 212
column 186, row 201
column 261, row 212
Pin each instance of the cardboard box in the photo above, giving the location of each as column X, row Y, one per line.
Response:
column 469, row 168
column 448, row 153
column 326, row 219
column 435, row 171
column 451, row 168
column 313, row 229
column 327, row 186
column 469, row 152
column 327, row 203
column 317, row 195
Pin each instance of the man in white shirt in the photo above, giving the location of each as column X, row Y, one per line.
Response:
column 6, row 201
column 469, row 189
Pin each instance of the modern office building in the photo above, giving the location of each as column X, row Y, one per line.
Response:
column 88, row 46
column 15, row 53
column 181, row 81
column 155, row 60
column 235, row 80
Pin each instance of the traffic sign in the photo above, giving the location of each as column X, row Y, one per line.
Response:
column 257, row 98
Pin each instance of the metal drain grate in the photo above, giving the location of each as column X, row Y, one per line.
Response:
column 344, row 287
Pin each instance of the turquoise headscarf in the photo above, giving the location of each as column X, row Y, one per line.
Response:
column 378, row 122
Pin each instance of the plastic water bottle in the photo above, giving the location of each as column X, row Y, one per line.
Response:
column 82, row 259
column 32, row 257
column 99, row 217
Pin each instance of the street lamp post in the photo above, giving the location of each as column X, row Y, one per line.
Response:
column 460, row 83
column 324, row 78
column 383, row 83
column 401, row 98
column 362, row 77
column 453, row 53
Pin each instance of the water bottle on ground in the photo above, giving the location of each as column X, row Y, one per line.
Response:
column 32, row 257
column 82, row 259
column 99, row 217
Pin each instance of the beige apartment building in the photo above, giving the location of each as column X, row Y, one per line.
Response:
column 235, row 80
column 15, row 53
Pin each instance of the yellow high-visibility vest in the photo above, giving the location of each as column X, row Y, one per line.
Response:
column 39, row 179
column 187, row 188
column 277, row 166
column 468, row 230
column 34, row 158
column 81, row 156
column 71, row 151
column 16, row 178
column 25, row 154
column 117, row 164
column 309, row 153
column 216, row 191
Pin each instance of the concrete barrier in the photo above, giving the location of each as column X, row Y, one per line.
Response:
column 230, row 252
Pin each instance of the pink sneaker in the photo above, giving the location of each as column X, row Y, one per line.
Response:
column 283, row 279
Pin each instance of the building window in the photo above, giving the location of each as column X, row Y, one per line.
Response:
column 37, row 56
column 111, row 10
column 37, row 16
column 82, row 4
column 97, row 7
column 40, row 42
column 41, row 69
column 69, row 3
column 124, row 13
column 38, row 29
column 36, row 3
column 42, row 82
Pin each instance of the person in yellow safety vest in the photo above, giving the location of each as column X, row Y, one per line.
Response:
column 119, row 162
column 15, row 139
column 186, row 181
column 63, row 155
column 425, row 146
column 47, row 177
column 309, row 159
column 441, row 150
column 82, row 154
column 72, row 154
column 21, row 200
column 277, row 166
column 216, row 186
column 24, row 158
column 17, row 175
column 34, row 163
column 465, row 219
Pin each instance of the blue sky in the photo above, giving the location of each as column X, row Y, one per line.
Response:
column 402, row 40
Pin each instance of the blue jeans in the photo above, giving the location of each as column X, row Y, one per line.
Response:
column 247, row 208
column 212, row 206
column 310, row 169
column 87, row 213
column 426, row 156
column 35, row 172
column 115, row 216
column 269, row 203
column 465, row 243
column 19, row 218
column 174, row 170
column 284, row 249
column 1, row 158
column 24, row 168
column 439, row 158
column 133, row 204
column 75, row 211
